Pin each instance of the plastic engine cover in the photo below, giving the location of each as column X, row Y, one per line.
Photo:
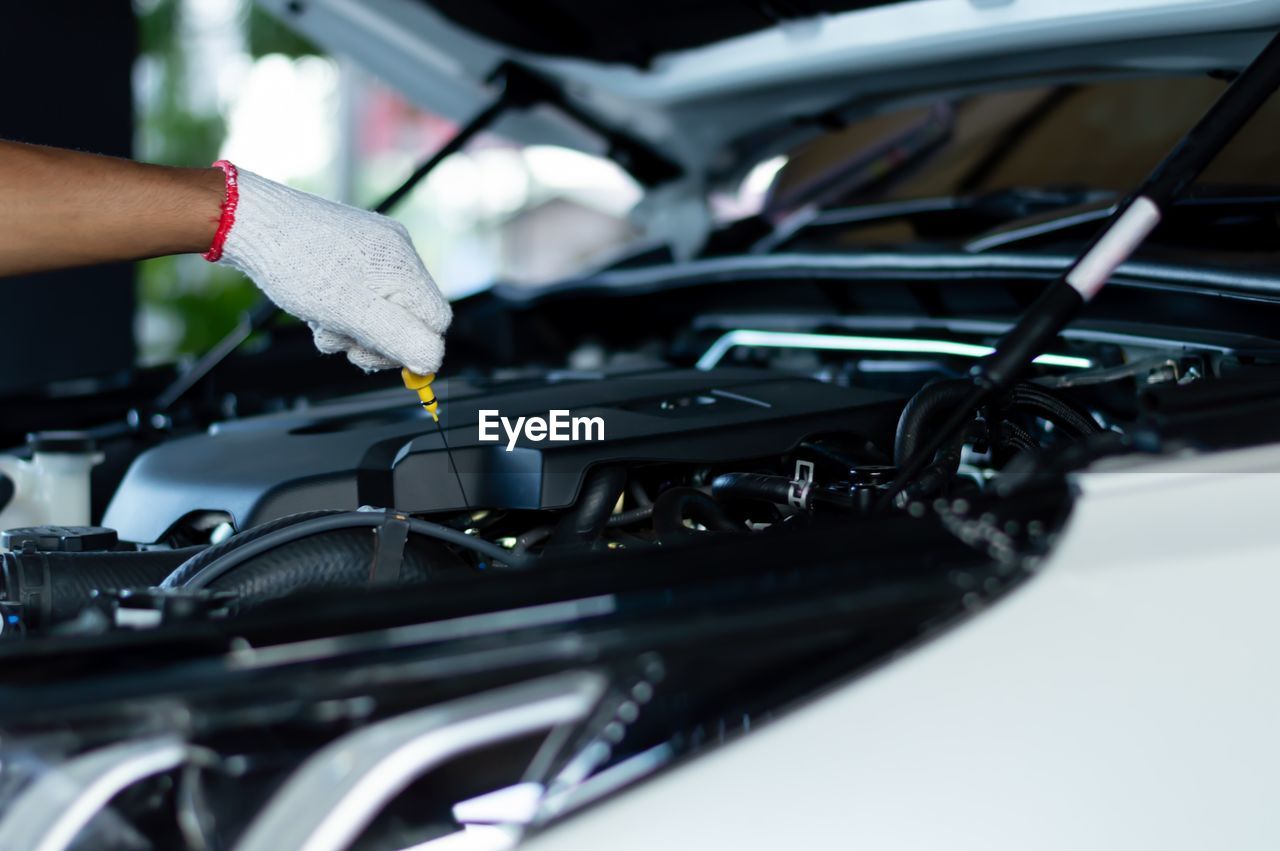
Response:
column 383, row 449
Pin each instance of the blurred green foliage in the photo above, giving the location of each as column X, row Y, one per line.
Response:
column 267, row 35
column 203, row 299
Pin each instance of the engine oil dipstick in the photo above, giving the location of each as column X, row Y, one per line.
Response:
column 421, row 384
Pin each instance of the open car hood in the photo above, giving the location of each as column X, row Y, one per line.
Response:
column 714, row 87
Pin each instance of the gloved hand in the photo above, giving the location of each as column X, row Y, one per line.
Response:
column 353, row 276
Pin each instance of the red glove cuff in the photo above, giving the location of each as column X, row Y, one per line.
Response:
column 229, row 202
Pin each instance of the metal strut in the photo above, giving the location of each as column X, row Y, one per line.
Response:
column 523, row 88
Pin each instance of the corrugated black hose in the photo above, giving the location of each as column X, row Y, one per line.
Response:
column 54, row 587
column 1042, row 402
column 328, row 549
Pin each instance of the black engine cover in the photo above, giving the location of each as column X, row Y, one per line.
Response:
column 384, row 450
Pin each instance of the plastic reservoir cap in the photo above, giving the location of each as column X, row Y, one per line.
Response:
column 62, row 441
column 59, row 539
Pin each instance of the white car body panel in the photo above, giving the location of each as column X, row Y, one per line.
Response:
column 1125, row 698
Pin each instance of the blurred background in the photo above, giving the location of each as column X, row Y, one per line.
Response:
column 186, row 82
column 221, row 79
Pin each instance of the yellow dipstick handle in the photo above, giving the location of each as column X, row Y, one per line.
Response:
column 421, row 384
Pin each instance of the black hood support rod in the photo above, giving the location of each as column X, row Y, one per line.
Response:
column 1134, row 219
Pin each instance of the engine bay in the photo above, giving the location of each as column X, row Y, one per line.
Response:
column 275, row 585
column 767, row 434
column 863, row 420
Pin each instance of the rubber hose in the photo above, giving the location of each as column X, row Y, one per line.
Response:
column 532, row 537
column 207, row 571
column 56, row 586
column 638, row 494
column 183, row 574
column 7, row 490
column 757, row 486
column 334, row 560
column 1062, row 412
column 587, row 519
column 933, row 403
column 674, row 505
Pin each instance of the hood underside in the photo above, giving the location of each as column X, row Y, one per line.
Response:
column 631, row 33
column 718, row 86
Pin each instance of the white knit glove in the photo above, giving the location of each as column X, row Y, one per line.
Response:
column 353, row 276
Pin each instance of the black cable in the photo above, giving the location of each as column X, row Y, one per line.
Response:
column 1057, row 409
column 1015, row 437
column 347, row 520
column 631, row 515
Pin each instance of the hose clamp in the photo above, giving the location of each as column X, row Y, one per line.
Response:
column 801, row 486
column 390, row 538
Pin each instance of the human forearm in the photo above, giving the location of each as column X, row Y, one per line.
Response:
column 352, row 275
column 64, row 208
